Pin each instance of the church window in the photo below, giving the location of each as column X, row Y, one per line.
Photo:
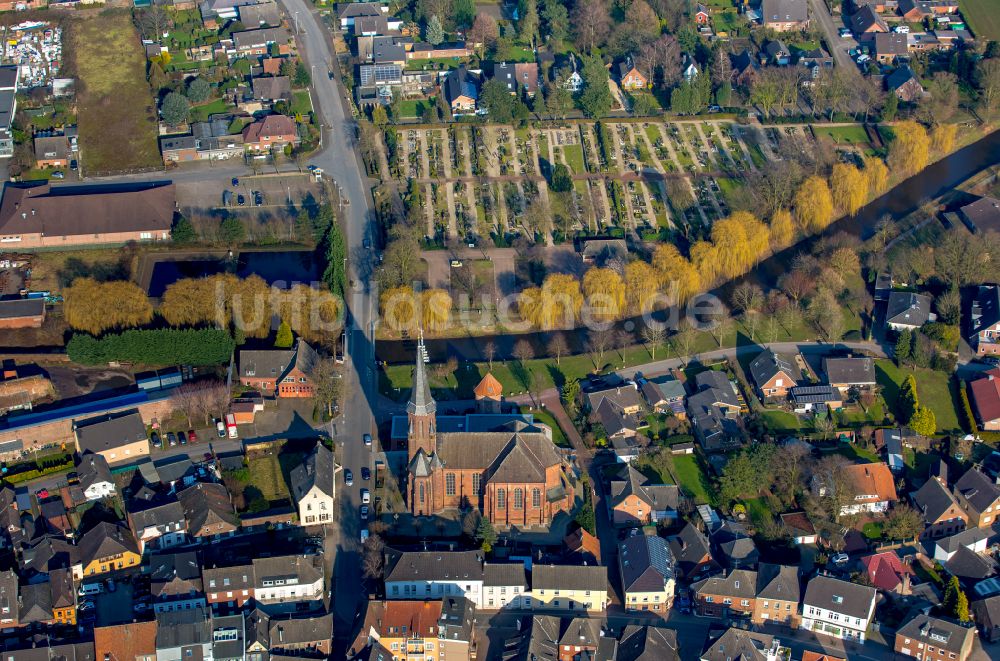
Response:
column 536, row 497
column 449, row 484
column 501, row 498
column 518, row 499
column 475, row 484
column 421, row 493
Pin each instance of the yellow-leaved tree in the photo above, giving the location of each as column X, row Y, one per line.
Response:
column 604, row 293
column 399, row 309
column 96, row 307
column 739, row 242
column 705, row 259
column 642, row 283
column 782, row 229
column 435, row 309
column 813, row 205
column 943, row 138
column 876, row 174
column 849, row 188
column 909, row 152
column 555, row 304
column 678, row 276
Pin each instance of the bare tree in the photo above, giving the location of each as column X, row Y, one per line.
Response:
column 599, row 342
column 490, row 351
column 623, row 340
column 558, row 347
column 684, row 339
column 654, row 337
column 747, row 297
column 153, row 22
column 327, row 384
column 523, row 351
column 721, row 326
column 188, row 401
column 372, row 562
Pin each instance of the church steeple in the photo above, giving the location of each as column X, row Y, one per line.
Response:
column 421, row 402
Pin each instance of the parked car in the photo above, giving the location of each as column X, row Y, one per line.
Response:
column 348, row 477
column 366, row 243
column 901, row 29
column 171, row 439
column 58, row 175
column 182, row 437
column 258, row 198
column 366, row 496
column 367, row 439
column 154, row 438
column 111, row 585
column 220, row 428
column 364, row 535
column 840, row 559
column 240, row 200
column 236, row 181
column 192, row 436
column 365, row 473
column 364, row 512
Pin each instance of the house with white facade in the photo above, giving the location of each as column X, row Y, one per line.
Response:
column 95, row 477
column 505, row 585
column 157, row 520
column 838, row 608
column 434, row 574
column 313, row 487
column 283, row 584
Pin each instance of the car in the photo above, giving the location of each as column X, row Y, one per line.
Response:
column 366, row 496
column 72, row 478
column 72, row 165
column 258, row 198
column 364, row 535
column 311, row 167
column 840, row 559
column 220, row 428
column 42, row 493
column 154, row 438
column 240, row 200
column 365, row 473
column 364, row 512
column 330, row 74
column 182, row 437
column 171, row 439
column 140, row 607
column 367, row 438
column 58, row 175
column 901, row 29
column 348, row 477
column 85, row 605
column 192, row 436
column 366, row 243
column 236, row 181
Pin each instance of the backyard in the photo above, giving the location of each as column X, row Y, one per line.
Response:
column 117, row 115
column 691, row 478
column 934, row 389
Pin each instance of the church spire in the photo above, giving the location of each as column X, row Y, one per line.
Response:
column 421, row 402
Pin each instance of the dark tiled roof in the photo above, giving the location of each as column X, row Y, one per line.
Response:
column 770, row 363
column 986, row 308
column 646, row 563
column 648, row 643
column 208, row 509
column 657, row 496
column 908, row 308
column 295, row 631
column 183, row 628
column 779, row 582
column 569, row 577
column 840, row 596
column 316, row 470
column 433, row 566
column 937, row 632
column 110, row 431
column 738, row 644
column 977, row 489
column 967, row 564
column 93, row 469
column 504, row 573
column 932, row 500
column 851, row 371
column 18, row 308
column 105, row 540
column 740, row 583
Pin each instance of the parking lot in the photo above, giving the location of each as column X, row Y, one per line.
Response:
column 258, row 192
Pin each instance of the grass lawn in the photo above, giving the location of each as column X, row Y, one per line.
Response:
column 758, row 510
column 266, row 475
column 574, row 158
column 411, row 107
column 301, row 103
column 201, row 112
column 546, row 418
column 872, row 530
column 781, row 421
column 854, row 453
column 934, row 390
column 855, row 416
column 117, row 115
column 520, row 54
column 843, row 134
column 433, row 63
column 691, row 478
column 982, row 17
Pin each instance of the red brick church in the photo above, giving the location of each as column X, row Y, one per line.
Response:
column 514, row 474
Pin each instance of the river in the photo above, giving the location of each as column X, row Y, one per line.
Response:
column 902, row 200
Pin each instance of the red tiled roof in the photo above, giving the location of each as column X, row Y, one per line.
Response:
column 816, row 656
column 581, row 541
column 885, row 570
column 986, row 395
column 271, row 126
column 872, row 480
column 419, row 617
column 489, row 387
column 798, row 522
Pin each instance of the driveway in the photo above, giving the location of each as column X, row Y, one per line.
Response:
column 830, row 27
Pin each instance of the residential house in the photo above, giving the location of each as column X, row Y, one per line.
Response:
column 456, row 630
column 130, row 640
column 985, row 321
column 582, row 548
column 665, row 395
column 689, row 68
column 979, row 497
column 815, row 398
column 260, row 41
column 785, row 15
column 229, row 637
column 889, row 46
column 934, row 639
column 517, row 76
column 887, row 572
column 184, row 635
column 302, row 636
column 777, row 596
column 313, row 486
column 908, row 311
column 799, row 527
column 52, row 152
column 272, row 88
column 733, row 545
column 940, row 510
column 388, row 50
column 692, row 554
column 209, row 512
column 914, row 11
column 647, row 572
column 737, row 644
column 221, row 9
column 846, row 374
column 461, row 88
column 904, row 84
column 260, row 14
column 53, row 516
column 701, row 15
column 578, row 636
column 288, row 583
column 18, row 650
column 728, row 595
column 118, row 437
column 175, row 581
column 774, row 374
column 635, row 500
column 870, row 488
column 35, row 604
column 107, row 547
column 569, row 588
column 816, row 60
column 629, row 76
column 981, row 215
column 271, row 132
column 599, row 250
column 837, row 608
column 893, row 448
column 22, row 313
column 975, row 540
column 400, row 626
column 9, row 606
column 778, row 53
column 280, row 372
column 987, row 614
column 714, row 410
column 985, row 399
column 43, row 555
column 433, row 574
column 867, row 21
column 12, row 532
column 969, row 566
column 808, row 655
column 745, row 68
column 231, row 587
column 95, row 476
column 350, row 12
column 157, row 520
column 504, row 584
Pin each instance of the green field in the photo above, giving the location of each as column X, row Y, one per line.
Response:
column 217, row 107
column 842, row 134
column 983, row 18
column 574, row 158
column 933, row 389
column 691, row 478
column 266, row 475
column 117, row 115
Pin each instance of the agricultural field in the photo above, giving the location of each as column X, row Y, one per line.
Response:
column 982, row 17
column 117, row 115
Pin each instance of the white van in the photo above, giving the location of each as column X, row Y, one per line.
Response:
column 90, row 589
column 366, row 496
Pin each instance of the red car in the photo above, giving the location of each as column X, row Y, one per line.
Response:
column 192, row 437
column 43, row 493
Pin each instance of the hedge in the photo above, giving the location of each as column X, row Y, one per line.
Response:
column 970, row 420
column 48, row 467
column 206, row 346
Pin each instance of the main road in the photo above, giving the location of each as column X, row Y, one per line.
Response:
column 341, row 163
